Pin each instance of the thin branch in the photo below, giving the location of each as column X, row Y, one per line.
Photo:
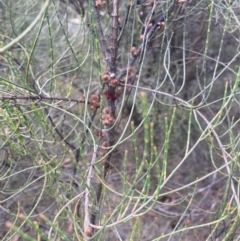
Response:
column 123, row 27
column 114, row 36
column 101, row 36
column 39, row 98
column 87, row 228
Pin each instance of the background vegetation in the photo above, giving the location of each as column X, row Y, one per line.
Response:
column 119, row 120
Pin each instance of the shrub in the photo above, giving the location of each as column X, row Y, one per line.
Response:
column 119, row 120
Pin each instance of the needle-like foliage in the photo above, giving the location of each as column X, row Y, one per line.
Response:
column 119, row 120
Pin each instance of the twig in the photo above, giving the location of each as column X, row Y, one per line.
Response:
column 114, row 36
column 125, row 22
column 101, row 36
column 39, row 98
column 87, row 227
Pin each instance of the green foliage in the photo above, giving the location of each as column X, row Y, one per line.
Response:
column 119, row 120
